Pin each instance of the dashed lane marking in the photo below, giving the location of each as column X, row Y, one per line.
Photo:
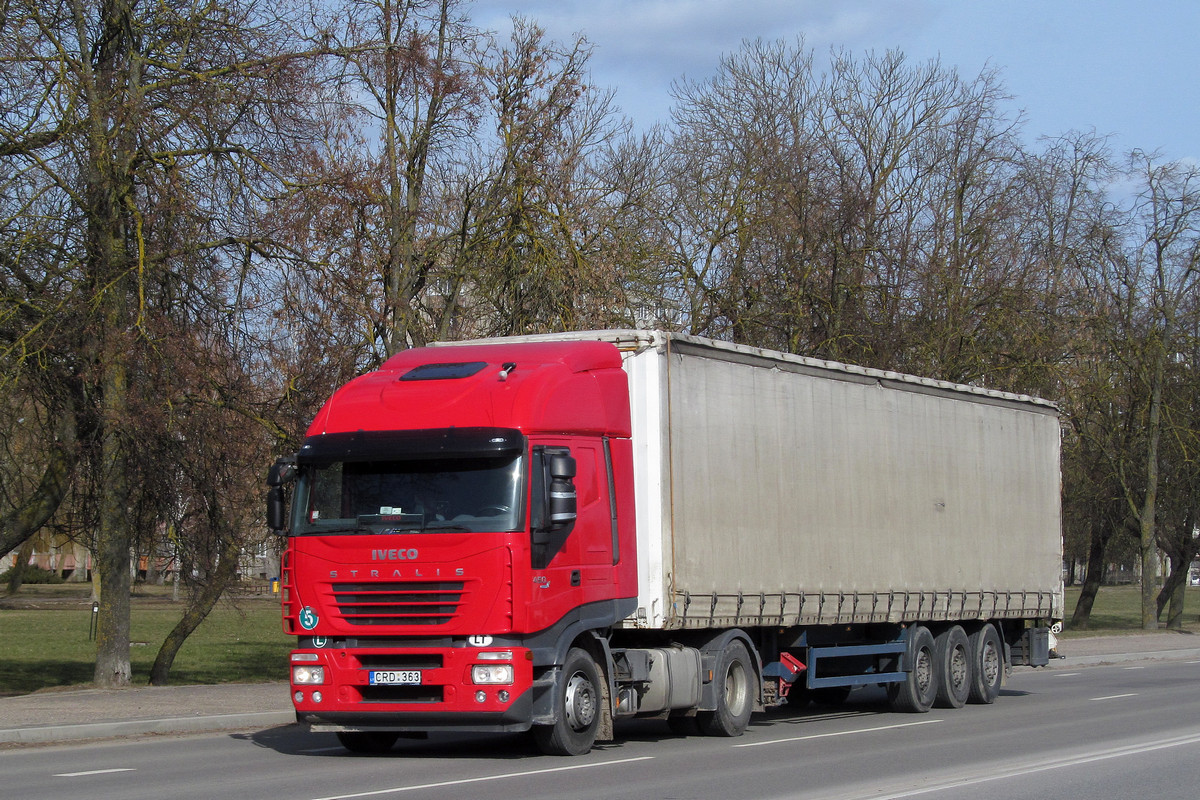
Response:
column 840, row 733
column 94, row 772
column 483, row 779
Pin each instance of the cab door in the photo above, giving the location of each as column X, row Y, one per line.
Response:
column 575, row 565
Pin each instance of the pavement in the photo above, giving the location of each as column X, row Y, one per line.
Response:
column 53, row 716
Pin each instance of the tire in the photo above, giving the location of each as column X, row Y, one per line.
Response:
column 986, row 654
column 736, row 684
column 578, row 708
column 368, row 742
column 952, row 658
column 915, row 694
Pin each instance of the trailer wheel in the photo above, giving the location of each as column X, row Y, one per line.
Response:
column 577, row 706
column 735, row 686
column 953, row 661
column 987, row 664
column 915, row 694
column 367, row 742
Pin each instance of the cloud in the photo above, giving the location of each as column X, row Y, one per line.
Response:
column 642, row 46
column 689, row 36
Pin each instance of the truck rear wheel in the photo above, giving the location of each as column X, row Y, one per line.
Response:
column 915, row 694
column 953, row 664
column 577, row 707
column 987, row 664
column 735, row 687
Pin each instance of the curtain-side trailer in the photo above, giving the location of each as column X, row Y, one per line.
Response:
column 555, row 532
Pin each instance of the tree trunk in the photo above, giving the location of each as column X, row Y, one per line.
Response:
column 25, row 520
column 1091, row 580
column 1175, row 589
column 196, row 613
column 16, row 575
column 113, row 668
column 1147, row 517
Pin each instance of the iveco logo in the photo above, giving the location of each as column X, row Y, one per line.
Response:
column 394, row 555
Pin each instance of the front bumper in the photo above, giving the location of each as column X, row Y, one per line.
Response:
column 445, row 699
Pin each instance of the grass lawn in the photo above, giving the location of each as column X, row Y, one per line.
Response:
column 1118, row 609
column 45, row 641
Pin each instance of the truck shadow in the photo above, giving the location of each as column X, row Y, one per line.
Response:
column 294, row 740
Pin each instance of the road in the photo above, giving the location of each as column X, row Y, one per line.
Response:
column 1102, row 733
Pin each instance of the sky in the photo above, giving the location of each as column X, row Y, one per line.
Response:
column 1128, row 69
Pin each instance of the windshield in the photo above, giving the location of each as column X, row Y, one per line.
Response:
column 458, row 494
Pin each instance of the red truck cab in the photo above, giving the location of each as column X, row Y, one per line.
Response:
column 461, row 525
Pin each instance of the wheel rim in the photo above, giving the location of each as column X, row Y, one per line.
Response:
column 580, row 702
column 990, row 664
column 923, row 671
column 959, row 667
column 737, row 691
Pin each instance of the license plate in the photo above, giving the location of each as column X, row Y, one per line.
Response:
column 395, row 677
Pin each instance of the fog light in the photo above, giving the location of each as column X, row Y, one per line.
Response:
column 503, row 696
column 307, row 675
column 492, row 673
column 298, row 697
column 481, row 696
column 316, row 697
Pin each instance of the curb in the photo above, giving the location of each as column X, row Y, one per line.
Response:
column 1124, row 658
column 43, row 734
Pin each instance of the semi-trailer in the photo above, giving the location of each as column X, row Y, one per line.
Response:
column 556, row 532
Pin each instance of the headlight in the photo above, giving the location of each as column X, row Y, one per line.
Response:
column 492, row 673
column 308, row 675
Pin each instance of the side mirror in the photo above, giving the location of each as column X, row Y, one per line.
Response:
column 276, row 510
column 282, row 472
column 563, row 500
column 553, row 502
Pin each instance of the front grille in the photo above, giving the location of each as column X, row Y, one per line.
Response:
column 398, row 603
column 400, row 661
column 402, row 694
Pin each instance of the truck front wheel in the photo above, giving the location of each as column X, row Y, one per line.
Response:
column 735, row 687
column 578, row 709
column 915, row 694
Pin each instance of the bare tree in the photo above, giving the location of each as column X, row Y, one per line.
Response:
column 1151, row 285
column 153, row 132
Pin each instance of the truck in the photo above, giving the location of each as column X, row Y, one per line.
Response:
column 557, row 532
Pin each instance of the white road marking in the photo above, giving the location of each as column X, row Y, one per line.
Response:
column 1033, row 768
column 93, row 772
column 1066, row 674
column 840, row 733
column 483, row 779
column 1129, row 668
column 1116, row 696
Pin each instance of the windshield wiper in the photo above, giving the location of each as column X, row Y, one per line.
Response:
column 336, row 529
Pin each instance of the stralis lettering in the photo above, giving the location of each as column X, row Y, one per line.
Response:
column 394, row 555
column 420, row 572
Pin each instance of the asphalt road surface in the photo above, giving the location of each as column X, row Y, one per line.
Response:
column 1104, row 733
